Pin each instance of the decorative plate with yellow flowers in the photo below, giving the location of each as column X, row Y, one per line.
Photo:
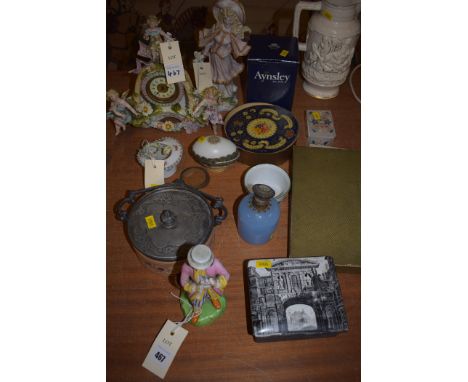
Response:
column 261, row 128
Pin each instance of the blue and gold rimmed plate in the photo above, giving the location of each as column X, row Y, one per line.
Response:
column 261, row 128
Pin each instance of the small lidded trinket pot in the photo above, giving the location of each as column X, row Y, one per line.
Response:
column 258, row 215
column 168, row 149
column 203, row 278
column 215, row 152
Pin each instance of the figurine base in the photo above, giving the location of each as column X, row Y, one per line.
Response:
column 209, row 312
column 228, row 96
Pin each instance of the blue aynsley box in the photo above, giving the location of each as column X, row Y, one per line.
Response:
column 272, row 69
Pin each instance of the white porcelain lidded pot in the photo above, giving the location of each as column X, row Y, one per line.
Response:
column 332, row 35
column 168, row 149
column 174, row 159
column 215, row 152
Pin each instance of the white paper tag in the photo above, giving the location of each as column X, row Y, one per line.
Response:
column 154, row 172
column 203, row 78
column 164, row 349
column 172, row 60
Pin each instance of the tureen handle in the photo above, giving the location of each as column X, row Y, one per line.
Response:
column 218, row 203
column 120, row 209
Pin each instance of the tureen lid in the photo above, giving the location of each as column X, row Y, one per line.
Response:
column 168, row 220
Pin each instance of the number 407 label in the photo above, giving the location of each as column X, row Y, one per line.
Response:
column 172, row 60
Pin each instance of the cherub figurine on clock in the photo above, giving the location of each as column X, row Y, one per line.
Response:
column 222, row 44
column 120, row 110
column 208, row 108
column 155, row 35
column 203, row 277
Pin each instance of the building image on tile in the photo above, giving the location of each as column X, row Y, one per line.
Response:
column 296, row 296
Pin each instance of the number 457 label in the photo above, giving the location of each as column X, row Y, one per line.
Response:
column 172, row 60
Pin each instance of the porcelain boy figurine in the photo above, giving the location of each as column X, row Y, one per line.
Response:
column 203, row 277
column 224, row 42
column 119, row 110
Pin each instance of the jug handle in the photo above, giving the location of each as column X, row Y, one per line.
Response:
column 303, row 5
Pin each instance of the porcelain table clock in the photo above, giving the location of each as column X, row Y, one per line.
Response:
column 155, row 103
column 167, row 104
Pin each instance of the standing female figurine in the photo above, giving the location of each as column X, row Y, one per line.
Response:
column 222, row 42
column 155, row 36
column 119, row 110
column 210, row 106
column 203, row 276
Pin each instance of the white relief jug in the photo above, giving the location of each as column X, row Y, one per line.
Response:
column 332, row 34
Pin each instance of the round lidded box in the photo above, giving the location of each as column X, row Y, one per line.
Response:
column 262, row 131
column 166, row 221
column 215, row 152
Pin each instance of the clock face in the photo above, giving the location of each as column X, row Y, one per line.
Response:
column 160, row 89
column 155, row 89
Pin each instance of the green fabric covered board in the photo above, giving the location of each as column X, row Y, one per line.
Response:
column 325, row 211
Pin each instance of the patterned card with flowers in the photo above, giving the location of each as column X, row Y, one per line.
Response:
column 320, row 127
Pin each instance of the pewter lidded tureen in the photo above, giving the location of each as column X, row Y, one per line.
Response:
column 167, row 220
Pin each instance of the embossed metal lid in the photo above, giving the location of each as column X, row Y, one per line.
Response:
column 166, row 222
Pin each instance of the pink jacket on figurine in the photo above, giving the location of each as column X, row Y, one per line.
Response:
column 215, row 269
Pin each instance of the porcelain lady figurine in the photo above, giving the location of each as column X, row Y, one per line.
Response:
column 155, row 35
column 204, row 277
column 119, row 110
column 209, row 107
column 224, row 42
